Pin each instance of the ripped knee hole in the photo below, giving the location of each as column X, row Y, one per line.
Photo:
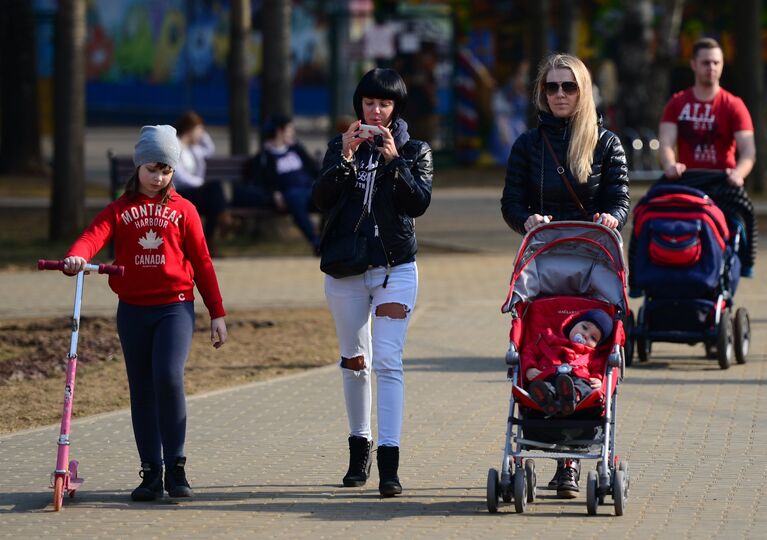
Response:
column 392, row 310
column 355, row 363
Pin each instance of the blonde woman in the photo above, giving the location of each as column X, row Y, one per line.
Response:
column 569, row 167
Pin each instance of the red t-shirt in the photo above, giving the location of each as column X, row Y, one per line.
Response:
column 705, row 129
column 162, row 248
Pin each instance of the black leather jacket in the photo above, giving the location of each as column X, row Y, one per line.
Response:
column 402, row 192
column 528, row 192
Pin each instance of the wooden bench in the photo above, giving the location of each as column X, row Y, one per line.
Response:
column 229, row 170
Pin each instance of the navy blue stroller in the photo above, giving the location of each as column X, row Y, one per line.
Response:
column 684, row 260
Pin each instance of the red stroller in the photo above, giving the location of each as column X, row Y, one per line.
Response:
column 562, row 268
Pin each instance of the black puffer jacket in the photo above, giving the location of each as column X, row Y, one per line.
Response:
column 527, row 193
column 402, row 192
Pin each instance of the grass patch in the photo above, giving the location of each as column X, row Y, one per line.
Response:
column 262, row 344
column 466, row 177
column 40, row 186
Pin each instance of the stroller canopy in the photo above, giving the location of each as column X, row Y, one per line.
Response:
column 569, row 258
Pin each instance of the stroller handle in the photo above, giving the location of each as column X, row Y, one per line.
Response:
column 44, row 264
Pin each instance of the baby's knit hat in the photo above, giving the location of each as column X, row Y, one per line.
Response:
column 157, row 144
column 597, row 316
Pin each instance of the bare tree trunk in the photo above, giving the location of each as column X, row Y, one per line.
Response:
column 634, row 65
column 20, row 129
column 539, row 25
column 340, row 79
column 665, row 55
column 239, row 95
column 570, row 12
column 67, row 217
column 749, row 79
column 276, row 87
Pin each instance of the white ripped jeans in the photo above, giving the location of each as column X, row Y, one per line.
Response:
column 352, row 301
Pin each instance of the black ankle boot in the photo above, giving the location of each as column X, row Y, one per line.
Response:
column 359, row 461
column 554, row 482
column 151, row 483
column 175, row 479
column 567, row 487
column 388, row 463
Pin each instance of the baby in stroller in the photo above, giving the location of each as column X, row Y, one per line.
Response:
column 563, row 367
column 567, row 301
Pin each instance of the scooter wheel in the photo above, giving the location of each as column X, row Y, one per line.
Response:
column 58, row 493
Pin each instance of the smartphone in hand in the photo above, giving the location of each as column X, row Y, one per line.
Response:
column 366, row 131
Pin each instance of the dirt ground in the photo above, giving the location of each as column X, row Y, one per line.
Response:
column 262, row 344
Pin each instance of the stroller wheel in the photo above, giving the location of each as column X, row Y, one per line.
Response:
column 520, row 491
column 725, row 341
column 601, row 492
column 644, row 348
column 592, row 496
column 620, row 492
column 506, row 494
column 493, row 487
column 642, row 345
column 624, row 466
column 628, row 348
column 531, row 480
column 742, row 329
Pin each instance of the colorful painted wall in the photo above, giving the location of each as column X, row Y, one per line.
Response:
column 156, row 58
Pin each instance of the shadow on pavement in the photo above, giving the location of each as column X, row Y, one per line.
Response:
column 323, row 502
column 21, row 503
column 461, row 364
column 305, row 501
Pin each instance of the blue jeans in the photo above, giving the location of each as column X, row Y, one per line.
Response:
column 298, row 201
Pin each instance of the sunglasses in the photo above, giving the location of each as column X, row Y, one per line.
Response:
column 568, row 87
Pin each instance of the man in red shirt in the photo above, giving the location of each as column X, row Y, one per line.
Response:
column 702, row 126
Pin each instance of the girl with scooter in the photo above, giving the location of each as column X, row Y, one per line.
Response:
column 158, row 238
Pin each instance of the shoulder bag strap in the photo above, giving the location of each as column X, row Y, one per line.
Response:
column 561, row 171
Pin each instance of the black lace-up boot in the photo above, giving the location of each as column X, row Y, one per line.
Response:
column 567, row 488
column 388, row 464
column 151, row 483
column 554, row 482
column 359, row 461
column 175, row 479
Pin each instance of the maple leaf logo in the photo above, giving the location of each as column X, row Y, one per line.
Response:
column 150, row 240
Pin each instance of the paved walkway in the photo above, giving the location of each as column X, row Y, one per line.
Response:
column 266, row 459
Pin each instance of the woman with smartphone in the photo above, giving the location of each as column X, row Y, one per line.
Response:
column 374, row 181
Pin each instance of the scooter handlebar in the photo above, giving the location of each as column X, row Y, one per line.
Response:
column 44, row 264
column 111, row 269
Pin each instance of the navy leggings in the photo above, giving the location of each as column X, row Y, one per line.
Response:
column 155, row 342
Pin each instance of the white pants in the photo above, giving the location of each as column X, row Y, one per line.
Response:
column 352, row 301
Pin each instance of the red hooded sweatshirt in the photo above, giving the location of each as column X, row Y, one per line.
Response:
column 162, row 248
column 553, row 349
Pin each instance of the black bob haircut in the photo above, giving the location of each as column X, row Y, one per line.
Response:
column 381, row 84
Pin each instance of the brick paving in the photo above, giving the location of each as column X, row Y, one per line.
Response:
column 266, row 459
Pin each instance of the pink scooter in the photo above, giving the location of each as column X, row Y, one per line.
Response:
column 64, row 478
